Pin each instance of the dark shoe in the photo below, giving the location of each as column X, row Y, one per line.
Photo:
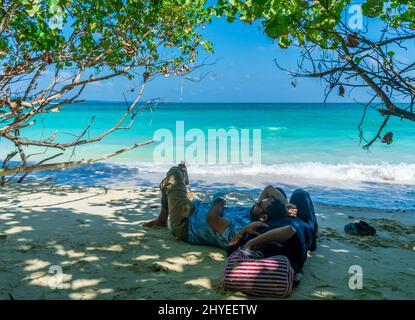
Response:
column 360, row 228
column 370, row 230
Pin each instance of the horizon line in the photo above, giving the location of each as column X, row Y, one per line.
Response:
column 218, row 102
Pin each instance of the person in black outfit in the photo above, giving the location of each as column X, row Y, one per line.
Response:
column 291, row 230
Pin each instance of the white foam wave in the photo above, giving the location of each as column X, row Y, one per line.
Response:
column 402, row 173
column 276, row 128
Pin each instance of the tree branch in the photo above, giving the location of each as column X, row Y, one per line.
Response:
column 65, row 165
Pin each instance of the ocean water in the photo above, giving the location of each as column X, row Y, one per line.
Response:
column 302, row 145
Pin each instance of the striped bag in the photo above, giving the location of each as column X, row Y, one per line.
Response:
column 248, row 272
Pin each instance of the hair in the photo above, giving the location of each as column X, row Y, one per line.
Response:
column 276, row 210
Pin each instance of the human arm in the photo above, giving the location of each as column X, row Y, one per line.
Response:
column 250, row 228
column 215, row 217
column 280, row 235
column 269, row 192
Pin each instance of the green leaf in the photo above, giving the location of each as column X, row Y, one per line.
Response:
column 276, row 27
column 207, row 45
column 284, row 41
column 260, row 2
column 372, row 8
column 33, row 10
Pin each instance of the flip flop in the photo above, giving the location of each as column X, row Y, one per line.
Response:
column 359, row 228
column 369, row 229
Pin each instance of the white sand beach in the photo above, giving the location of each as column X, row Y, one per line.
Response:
column 95, row 236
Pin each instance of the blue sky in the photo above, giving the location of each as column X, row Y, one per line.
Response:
column 244, row 71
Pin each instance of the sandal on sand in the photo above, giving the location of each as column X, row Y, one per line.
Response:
column 360, row 228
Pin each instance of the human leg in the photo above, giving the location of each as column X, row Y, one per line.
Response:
column 176, row 203
column 305, row 207
column 161, row 221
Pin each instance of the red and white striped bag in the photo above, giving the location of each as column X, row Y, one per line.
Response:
column 247, row 272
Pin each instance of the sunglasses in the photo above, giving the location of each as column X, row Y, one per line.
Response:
column 258, row 204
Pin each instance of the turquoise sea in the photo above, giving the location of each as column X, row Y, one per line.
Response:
column 302, row 145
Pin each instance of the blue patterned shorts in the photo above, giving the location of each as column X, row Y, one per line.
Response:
column 199, row 232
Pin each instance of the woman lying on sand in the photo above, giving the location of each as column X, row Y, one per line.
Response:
column 291, row 233
column 287, row 228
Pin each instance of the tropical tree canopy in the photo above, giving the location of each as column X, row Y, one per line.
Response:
column 344, row 53
column 51, row 49
column 316, row 21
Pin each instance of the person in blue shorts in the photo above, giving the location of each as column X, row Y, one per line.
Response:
column 209, row 223
column 194, row 221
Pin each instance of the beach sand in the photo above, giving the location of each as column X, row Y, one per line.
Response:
column 94, row 236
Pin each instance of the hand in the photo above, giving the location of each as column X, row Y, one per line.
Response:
column 249, row 245
column 235, row 240
column 251, row 228
column 292, row 210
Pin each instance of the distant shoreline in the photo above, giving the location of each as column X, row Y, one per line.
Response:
column 228, row 102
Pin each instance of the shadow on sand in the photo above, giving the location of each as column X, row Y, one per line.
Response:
column 95, row 238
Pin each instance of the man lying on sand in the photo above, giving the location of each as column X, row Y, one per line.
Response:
column 196, row 222
column 216, row 224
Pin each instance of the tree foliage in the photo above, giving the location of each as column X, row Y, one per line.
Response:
column 51, row 49
column 343, row 56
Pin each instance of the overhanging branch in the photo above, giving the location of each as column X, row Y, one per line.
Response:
column 66, row 165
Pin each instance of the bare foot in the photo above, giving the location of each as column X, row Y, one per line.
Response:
column 155, row 224
column 183, row 167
